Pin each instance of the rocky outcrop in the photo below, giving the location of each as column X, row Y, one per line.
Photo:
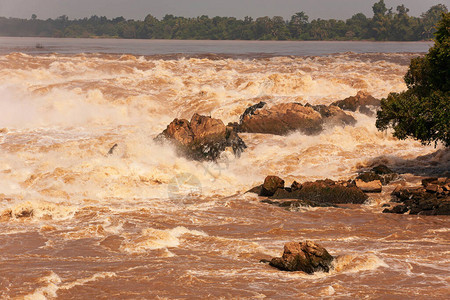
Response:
column 432, row 198
column 308, row 257
column 362, row 102
column 329, row 191
column 280, row 119
column 203, row 138
column 283, row 118
column 318, row 193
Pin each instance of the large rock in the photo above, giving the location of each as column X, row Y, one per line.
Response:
column 329, row 191
column 280, row 119
column 318, row 193
column 308, row 257
column 362, row 102
column 432, row 198
column 203, row 138
column 283, row 118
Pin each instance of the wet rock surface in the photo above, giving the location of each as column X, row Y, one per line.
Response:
column 308, row 257
column 318, row 193
column 280, row 119
column 432, row 198
column 202, row 138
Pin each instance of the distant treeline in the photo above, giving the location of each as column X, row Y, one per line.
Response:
column 385, row 25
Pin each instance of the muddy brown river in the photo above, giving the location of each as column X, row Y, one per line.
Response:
column 76, row 223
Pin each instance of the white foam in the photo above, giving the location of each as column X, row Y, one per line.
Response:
column 151, row 239
column 67, row 111
column 48, row 291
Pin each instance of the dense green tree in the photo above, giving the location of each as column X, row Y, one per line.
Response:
column 381, row 21
column 423, row 110
column 358, row 27
column 384, row 25
column 279, row 29
column 150, row 28
column 429, row 19
column 298, row 25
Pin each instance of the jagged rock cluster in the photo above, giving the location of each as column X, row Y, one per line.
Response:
column 202, row 138
column 373, row 180
column 432, row 198
column 318, row 193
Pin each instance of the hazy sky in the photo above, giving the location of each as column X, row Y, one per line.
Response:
column 138, row 9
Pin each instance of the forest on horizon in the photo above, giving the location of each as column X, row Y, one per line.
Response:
column 386, row 24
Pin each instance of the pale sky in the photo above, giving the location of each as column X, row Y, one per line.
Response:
column 138, row 9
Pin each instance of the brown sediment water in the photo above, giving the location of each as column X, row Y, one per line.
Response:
column 78, row 223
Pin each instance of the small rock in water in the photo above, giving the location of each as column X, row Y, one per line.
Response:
column 24, row 213
column 111, row 150
column 307, row 256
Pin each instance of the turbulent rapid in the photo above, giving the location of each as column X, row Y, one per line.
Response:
column 79, row 222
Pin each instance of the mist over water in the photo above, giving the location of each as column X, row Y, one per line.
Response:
column 80, row 221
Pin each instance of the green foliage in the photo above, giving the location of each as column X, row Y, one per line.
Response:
column 385, row 25
column 423, row 111
column 429, row 19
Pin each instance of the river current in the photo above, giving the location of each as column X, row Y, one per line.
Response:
column 77, row 223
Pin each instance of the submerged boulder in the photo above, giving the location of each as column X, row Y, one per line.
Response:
column 362, row 102
column 203, row 138
column 432, row 198
column 280, row 119
column 308, row 257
